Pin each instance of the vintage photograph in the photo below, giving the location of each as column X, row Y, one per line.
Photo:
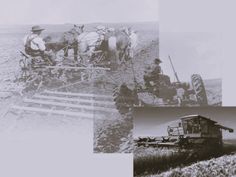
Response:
column 190, row 141
column 188, row 72
column 57, row 63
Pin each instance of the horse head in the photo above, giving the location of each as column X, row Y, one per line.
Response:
column 77, row 29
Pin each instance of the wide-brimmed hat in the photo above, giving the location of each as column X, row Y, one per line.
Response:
column 157, row 60
column 36, row 28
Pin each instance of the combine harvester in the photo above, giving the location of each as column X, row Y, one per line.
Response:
column 197, row 136
column 191, row 131
column 194, row 131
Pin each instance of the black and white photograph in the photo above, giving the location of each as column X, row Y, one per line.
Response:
column 192, row 62
column 62, row 62
column 189, row 141
column 187, row 73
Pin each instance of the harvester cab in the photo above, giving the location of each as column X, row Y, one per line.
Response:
column 195, row 130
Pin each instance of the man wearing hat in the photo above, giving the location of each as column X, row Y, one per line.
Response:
column 35, row 45
column 152, row 73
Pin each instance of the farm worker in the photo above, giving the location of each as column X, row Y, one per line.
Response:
column 152, row 72
column 101, row 30
column 35, row 45
column 133, row 38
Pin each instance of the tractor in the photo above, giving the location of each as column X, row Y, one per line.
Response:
column 161, row 92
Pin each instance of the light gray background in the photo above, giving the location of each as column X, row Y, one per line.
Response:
column 64, row 155
column 191, row 53
column 77, row 11
column 213, row 16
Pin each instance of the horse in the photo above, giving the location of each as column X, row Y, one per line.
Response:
column 121, row 44
column 87, row 42
column 117, row 45
column 66, row 41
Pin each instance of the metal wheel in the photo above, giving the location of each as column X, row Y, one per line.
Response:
column 199, row 89
column 25, row 70
column 124, row 98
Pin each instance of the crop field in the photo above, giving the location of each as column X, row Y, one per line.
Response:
column 222, row 166
column 170, row 162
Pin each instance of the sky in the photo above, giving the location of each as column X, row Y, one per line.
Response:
column 191, row 53
column 154, row 121
column 76, row 11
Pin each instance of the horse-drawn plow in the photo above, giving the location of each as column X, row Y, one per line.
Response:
column 49, row 89
column 36, row 72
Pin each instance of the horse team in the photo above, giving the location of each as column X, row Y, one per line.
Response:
column 117, row 44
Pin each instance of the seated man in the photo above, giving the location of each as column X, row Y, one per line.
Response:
column 35, row 46
column 152, row 73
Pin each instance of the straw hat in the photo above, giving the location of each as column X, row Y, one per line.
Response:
column 36, row 28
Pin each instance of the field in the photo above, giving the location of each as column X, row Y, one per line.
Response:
column 222, row 166
column 170, row 162
column 104, row 130
column 12, row 92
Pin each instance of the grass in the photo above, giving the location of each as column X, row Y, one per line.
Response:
column 155, row 160
column 218, row 167
column 151, row 164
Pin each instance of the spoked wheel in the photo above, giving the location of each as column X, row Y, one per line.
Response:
column 25, row 69
column 199, row 89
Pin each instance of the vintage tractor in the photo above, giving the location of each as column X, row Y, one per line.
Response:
column 194, row 131
column 162, row 92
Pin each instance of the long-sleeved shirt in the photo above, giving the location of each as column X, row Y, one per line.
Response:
column 36, row 42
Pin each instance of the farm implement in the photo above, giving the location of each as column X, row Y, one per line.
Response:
column 36, row 72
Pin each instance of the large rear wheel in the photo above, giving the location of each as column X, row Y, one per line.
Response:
column 199, row 89
column 124, row 98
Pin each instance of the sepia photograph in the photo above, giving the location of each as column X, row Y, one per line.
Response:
column 190, row 141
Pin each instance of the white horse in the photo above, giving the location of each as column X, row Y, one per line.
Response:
column 88, row 41
column 118, row 44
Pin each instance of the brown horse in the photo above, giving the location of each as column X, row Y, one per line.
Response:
column 68, row 40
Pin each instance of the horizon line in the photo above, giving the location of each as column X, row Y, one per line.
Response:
column 153, row 21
